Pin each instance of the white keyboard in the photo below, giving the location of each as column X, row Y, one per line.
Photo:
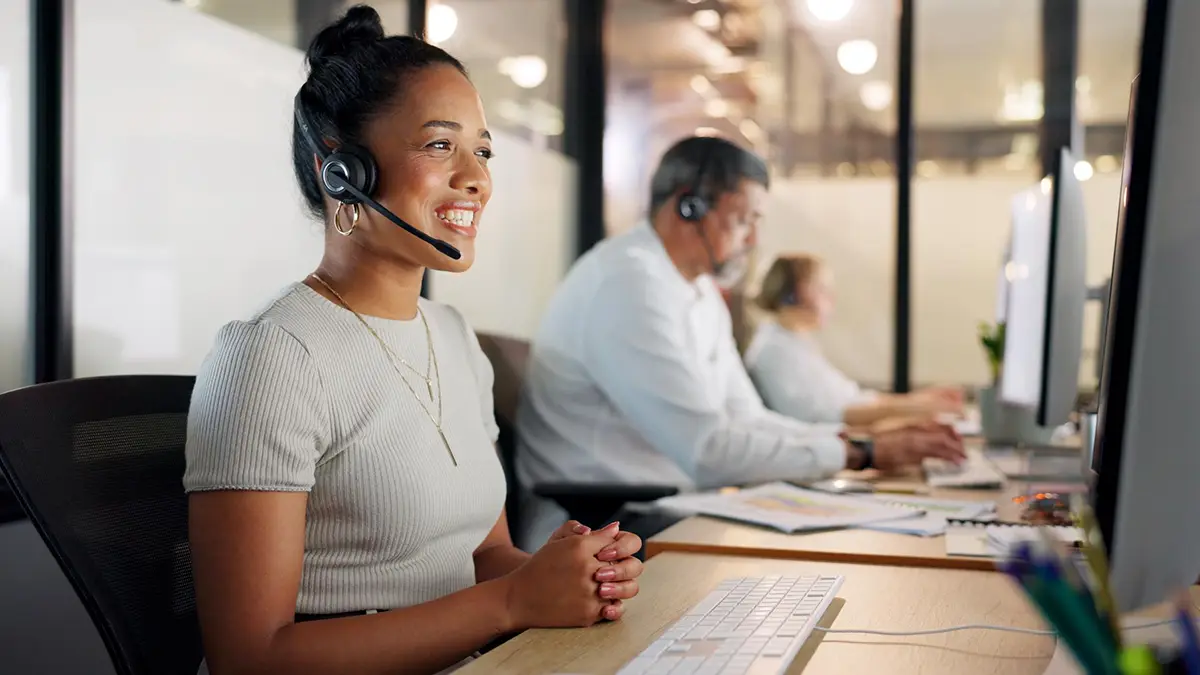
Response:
column 976, row 472
column 751, row 626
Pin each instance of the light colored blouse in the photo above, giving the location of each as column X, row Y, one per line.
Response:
column 302, row 398
column 794, row 377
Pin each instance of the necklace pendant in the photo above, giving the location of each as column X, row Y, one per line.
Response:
column 448, row 449
column 429, row 387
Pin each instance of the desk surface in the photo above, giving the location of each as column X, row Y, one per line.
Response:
column 709, row 535
column 872, row 597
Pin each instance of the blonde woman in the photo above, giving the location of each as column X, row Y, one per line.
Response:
column 793, row 375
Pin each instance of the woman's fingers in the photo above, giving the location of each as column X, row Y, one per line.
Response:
column 618, row 590
column 624, row 570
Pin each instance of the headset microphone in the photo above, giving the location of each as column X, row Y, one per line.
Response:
column 350, row 175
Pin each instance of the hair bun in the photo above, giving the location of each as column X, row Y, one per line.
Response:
column 360, row 25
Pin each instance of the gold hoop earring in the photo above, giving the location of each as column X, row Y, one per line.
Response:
column 337, row 225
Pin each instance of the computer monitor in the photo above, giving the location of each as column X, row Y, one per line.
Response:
column 1146, row 494
column 1047, row 289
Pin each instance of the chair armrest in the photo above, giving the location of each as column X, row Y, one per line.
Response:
column 594, row 504
column 626, row 492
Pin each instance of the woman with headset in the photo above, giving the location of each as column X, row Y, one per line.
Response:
column 794, row 377
column 346, row 499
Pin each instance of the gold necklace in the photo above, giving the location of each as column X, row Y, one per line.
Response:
column 393, row 357
column 428, row 355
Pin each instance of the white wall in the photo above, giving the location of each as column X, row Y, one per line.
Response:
column 14, row 194
column 187, row 212
column 960, row 228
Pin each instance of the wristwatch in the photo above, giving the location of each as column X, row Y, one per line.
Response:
column 866, row 446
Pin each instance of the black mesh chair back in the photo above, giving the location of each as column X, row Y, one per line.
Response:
column 97, row 464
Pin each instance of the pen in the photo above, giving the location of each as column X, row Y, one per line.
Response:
column 1187, row 630
column 1020, row 567
column 1079, row 611
column 1094, row 554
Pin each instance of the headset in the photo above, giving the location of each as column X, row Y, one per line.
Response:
column 691, row 206
column 789, row 298
column 351, row 175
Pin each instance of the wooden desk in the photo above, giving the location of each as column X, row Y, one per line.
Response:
column 709, row 535
column 872, row 597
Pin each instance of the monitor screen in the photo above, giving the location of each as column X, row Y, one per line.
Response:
column 1027, row 273
column 1122, row 201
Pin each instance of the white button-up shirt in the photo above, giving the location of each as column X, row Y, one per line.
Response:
column 634, row 377
column 796, row 379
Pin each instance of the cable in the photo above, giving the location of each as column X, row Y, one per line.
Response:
column 969, row 626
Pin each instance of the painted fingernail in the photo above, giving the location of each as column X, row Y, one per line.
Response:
column 607, row 574
column 613, row 525
column 582, row 529
column 608, row 590
column 607, row 554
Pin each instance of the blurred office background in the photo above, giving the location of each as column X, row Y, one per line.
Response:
column 179, row 210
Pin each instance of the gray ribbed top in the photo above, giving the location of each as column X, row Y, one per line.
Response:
column 301, row 398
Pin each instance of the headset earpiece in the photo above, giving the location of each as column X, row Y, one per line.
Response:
column 692, row 207
column 789, row 298
column 354, row 165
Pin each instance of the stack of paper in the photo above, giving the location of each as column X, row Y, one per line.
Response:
column 992, row 540
column 1001, row 538
column 788, row 508
column 930, row 515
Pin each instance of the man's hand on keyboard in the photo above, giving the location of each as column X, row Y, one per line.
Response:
column 908, row 445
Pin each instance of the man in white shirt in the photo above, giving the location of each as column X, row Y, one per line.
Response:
column 634, row 376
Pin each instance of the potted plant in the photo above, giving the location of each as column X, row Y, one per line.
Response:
column 1002, row 423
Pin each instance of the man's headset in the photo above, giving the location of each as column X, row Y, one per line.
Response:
column 351, row 176
column 692, row 206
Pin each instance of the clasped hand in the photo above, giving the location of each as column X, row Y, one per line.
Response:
column 578, row 578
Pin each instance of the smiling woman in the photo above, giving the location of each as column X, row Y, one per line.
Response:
column 346, row 508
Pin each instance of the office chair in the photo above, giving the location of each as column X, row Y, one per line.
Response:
column 593, row 504
column 97, row 465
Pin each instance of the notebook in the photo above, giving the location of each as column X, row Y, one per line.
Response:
column 991, row 539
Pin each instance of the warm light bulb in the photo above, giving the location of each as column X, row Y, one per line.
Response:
column 708, row 19
column 876, row 95
column 857, row 57
column 442, row 21
column 830, row 10
column 526, row 72
column 1083, row 170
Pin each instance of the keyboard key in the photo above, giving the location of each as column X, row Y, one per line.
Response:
column 741, row 620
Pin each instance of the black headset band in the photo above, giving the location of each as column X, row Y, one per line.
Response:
column 308, row 131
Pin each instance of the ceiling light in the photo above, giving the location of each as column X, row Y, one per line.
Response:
column 1083, row 170
column 857, row 57
column 1022, row 102
column 441, row 22
column 1106, row 163
column 717, row 107
column 876, row 95
column 1046, row 183
column 708, row 19
column 526, row 72
column 830, row 10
